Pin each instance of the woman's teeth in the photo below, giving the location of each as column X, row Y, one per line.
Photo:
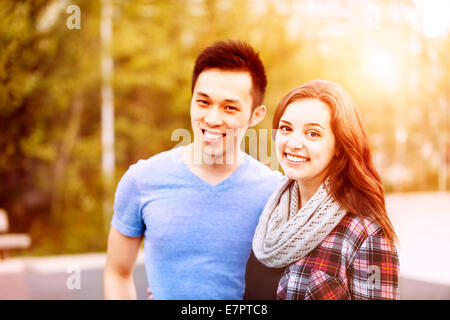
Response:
column 296, row 159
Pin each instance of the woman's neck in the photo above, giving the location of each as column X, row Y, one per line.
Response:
column 306, row 190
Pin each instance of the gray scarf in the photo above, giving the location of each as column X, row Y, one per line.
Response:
column 285, row 234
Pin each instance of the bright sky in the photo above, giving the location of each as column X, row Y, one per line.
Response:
column 435, row 15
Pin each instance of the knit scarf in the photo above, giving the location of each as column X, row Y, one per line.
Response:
column 286, row 234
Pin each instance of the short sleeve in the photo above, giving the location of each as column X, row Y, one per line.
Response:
column 127, row 218
column 374, row 271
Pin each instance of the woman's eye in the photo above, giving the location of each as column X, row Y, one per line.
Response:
column 313, row 134
column 230, row 108
column 284, row 128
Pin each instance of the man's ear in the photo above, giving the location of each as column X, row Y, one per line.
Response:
column 258, row 115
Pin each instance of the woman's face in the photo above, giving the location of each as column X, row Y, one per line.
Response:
column 305, row 142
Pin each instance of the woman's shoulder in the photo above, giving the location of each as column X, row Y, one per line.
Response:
column 358, row 227
column 354, row 230
column 345, row 239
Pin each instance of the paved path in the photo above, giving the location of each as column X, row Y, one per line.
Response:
column 422, row 222
column 56, row 277
column 53, row 286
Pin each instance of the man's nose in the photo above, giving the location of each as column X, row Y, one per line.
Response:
column 214, row 117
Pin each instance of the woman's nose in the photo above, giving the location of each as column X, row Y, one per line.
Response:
column 295, row 141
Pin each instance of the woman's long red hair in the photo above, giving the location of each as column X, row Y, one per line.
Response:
column 354, row 182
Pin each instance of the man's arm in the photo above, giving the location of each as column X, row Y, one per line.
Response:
column 121, row 258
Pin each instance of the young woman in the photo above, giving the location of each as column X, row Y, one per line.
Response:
column 325, row 233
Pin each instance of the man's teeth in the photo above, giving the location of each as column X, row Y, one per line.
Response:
column 213, row 136
column 295, row 159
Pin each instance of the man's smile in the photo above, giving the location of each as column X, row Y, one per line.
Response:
column 212, row 136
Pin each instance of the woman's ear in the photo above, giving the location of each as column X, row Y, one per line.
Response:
column 257, row 116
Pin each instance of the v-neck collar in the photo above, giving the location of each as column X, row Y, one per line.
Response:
column 219, row 185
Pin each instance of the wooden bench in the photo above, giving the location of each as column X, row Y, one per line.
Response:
column 10, row 241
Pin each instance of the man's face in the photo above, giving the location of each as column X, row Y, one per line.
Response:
column 221, row 112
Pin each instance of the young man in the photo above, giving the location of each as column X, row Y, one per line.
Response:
column 197, row 206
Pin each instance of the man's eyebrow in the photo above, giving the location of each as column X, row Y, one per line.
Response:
column 202, row 94
column 232, row 100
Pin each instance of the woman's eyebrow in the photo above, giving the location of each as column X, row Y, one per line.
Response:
column 312, row 124
column 309, row 124
column 287, row 122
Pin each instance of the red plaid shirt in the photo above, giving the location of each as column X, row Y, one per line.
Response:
column 355, row 261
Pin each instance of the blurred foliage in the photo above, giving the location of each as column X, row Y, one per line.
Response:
column 50, row 160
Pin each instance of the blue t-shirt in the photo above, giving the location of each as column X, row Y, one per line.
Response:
column 198, row 237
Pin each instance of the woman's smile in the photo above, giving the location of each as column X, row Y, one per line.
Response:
column 295, row 159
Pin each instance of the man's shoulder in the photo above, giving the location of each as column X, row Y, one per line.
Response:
column 156, row 164
column 256, row 166
column 260, row 173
